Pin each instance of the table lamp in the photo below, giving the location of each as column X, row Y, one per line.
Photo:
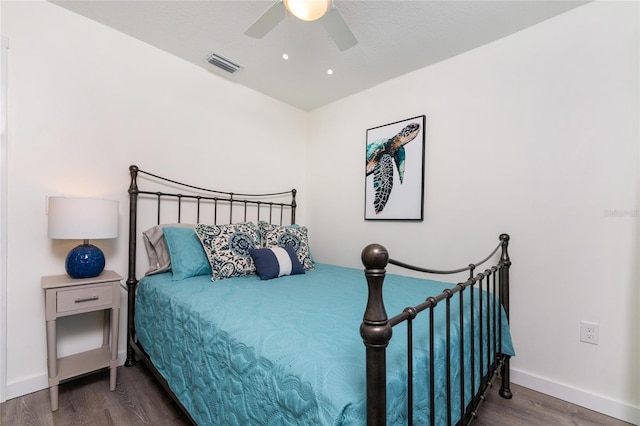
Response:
column 83, row 219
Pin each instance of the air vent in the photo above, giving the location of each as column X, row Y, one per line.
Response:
column 223, row 63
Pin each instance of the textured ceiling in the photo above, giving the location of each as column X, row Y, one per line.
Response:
column 394, row 37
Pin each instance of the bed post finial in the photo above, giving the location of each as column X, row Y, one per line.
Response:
column 376, row 333
column 505, row 387
column 375, row 256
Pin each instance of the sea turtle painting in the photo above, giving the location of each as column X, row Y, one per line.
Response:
column 381, row 154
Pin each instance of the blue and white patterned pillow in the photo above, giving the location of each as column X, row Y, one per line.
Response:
column 276, row 262
column 280, row 236
column 227, row 248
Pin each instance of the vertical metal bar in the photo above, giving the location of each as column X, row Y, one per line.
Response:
column 258, row 218
column 410, row 370
column 490, row 321
column 472, row 269
column 488, row 316
column 432, row 369
column 281, row 213
column 198, row 209
column 158, row 220
column 493, row 313
column 179, row 207
column 448, row 353
column 481, row 336
column 473, row 342
column 270, row 212
column 293, row 205
column 215, row 211
column 245, row 210
column 231, row 207
column 500, row 316
column 461, row 349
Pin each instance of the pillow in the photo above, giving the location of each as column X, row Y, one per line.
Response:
column 276, row 262
column 227, row 248
column 157, row 251
column 294, row 236
column 295, row 225
column 188, row 258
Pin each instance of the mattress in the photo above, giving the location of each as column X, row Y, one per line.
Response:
column 288, row 351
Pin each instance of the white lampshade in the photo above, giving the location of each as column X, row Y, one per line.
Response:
column 308, row 10
column 82, row 218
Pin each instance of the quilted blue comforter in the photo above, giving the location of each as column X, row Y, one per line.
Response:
column 243, row 351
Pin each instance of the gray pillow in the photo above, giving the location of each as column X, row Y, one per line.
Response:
column 157, row 250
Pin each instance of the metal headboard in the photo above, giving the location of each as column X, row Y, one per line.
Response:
column 198, row 205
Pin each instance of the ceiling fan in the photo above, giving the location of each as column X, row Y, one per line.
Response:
column 307, row 10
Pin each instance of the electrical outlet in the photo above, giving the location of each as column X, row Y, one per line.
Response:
column 589, row 332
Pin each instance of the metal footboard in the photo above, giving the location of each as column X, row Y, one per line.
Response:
column 486, row 292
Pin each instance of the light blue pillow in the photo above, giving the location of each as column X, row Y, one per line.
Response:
column 188, row 258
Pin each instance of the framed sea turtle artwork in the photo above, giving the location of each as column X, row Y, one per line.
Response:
column 395, row 171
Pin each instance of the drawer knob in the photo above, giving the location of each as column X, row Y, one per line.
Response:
column 87, row 299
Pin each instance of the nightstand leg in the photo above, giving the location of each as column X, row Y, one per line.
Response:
column 105, row 327
column 53, row 391
column 52, row 363
column 115, row 316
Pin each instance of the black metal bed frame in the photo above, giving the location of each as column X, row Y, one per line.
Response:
column 376, row 328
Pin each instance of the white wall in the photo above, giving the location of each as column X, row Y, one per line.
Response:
column 3, row 213
column 535, row 135
column 85, row 102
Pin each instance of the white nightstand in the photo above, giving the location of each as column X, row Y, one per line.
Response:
column 67, row 296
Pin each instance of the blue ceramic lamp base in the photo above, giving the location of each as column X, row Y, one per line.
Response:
column 84, row 261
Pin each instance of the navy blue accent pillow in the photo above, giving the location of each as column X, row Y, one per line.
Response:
column 274, row 262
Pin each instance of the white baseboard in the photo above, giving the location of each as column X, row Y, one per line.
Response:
column 38, row 383
column 599, row 403
column 27, row 386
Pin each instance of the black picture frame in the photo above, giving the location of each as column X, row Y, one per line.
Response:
column 394, row 151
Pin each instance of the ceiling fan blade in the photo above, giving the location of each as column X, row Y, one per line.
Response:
column 338, row 29
column 268, row 21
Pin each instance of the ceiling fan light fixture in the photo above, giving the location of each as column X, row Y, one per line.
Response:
column 308, row 10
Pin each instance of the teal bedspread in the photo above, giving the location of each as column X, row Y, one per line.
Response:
column 242, row 351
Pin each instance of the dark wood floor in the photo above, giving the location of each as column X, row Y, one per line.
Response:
column 139, row 400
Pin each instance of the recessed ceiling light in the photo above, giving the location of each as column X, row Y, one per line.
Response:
column 285, row 56
column 330, row 71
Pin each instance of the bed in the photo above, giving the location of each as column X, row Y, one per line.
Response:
column 269, row 336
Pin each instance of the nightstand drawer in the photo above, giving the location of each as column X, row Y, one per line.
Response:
column 83, row 298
